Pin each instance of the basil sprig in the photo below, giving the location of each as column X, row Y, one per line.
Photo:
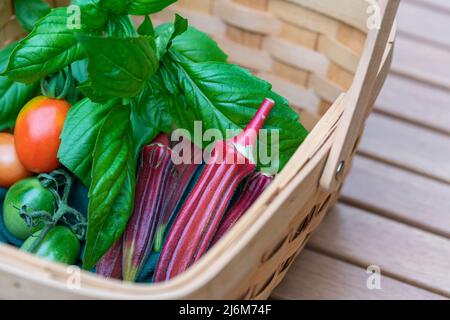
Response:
column 136, row 83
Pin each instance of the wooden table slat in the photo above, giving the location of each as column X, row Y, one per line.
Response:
column 439, row 5
column 408, row 146
column 413, row 101
column 428, row 24
column 408, row 254
column 422, row 61
column 316, row 276
column 399, row 194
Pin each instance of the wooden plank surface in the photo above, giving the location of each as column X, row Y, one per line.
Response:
column 425, row 23
column 421, row 61
column 438, row 5
column 408, row 146
column 317, row 276
column 416, row 102
column 400, row 195
column 410, row 254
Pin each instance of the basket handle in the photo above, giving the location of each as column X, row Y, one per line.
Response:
column 358, row 98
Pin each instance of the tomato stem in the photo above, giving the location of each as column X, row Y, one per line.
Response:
column 41, row 237
column 64, row 213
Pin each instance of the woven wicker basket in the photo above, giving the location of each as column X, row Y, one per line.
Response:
column 312, row 52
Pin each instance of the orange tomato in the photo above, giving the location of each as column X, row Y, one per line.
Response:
column 36, row 134
column 11, row 169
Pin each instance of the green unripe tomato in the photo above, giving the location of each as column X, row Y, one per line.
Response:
column 59, row 245
column 30, row 193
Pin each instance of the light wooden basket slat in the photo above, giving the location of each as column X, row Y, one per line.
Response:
column 310, row 51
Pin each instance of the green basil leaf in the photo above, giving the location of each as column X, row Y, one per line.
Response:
column 28, row 12
column 225, row 96
column 13, row 95
column 47, row 49
column 79, row 70
column 115, row 6
column 120, row 26
column 88, row 91
column 197, row 46
column 153, row 103
column 92, row 15
column 166, row 99
column 112, row 188
column 169, row 31
column 120, row 67
column 150, row 114
column 143, row 131
column 146, row 28
column 79, row 135
column 142, row 7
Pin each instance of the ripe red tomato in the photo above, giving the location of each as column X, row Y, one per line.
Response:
column 36, row 135
column 11, row 169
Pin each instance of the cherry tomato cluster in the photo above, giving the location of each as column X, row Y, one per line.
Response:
column 32, row 149
column 34, row 146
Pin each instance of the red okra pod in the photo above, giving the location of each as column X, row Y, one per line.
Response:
column 154, row 170
column 254, row 186
column 193, row 230
column 181, row 175
column 110, row 265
